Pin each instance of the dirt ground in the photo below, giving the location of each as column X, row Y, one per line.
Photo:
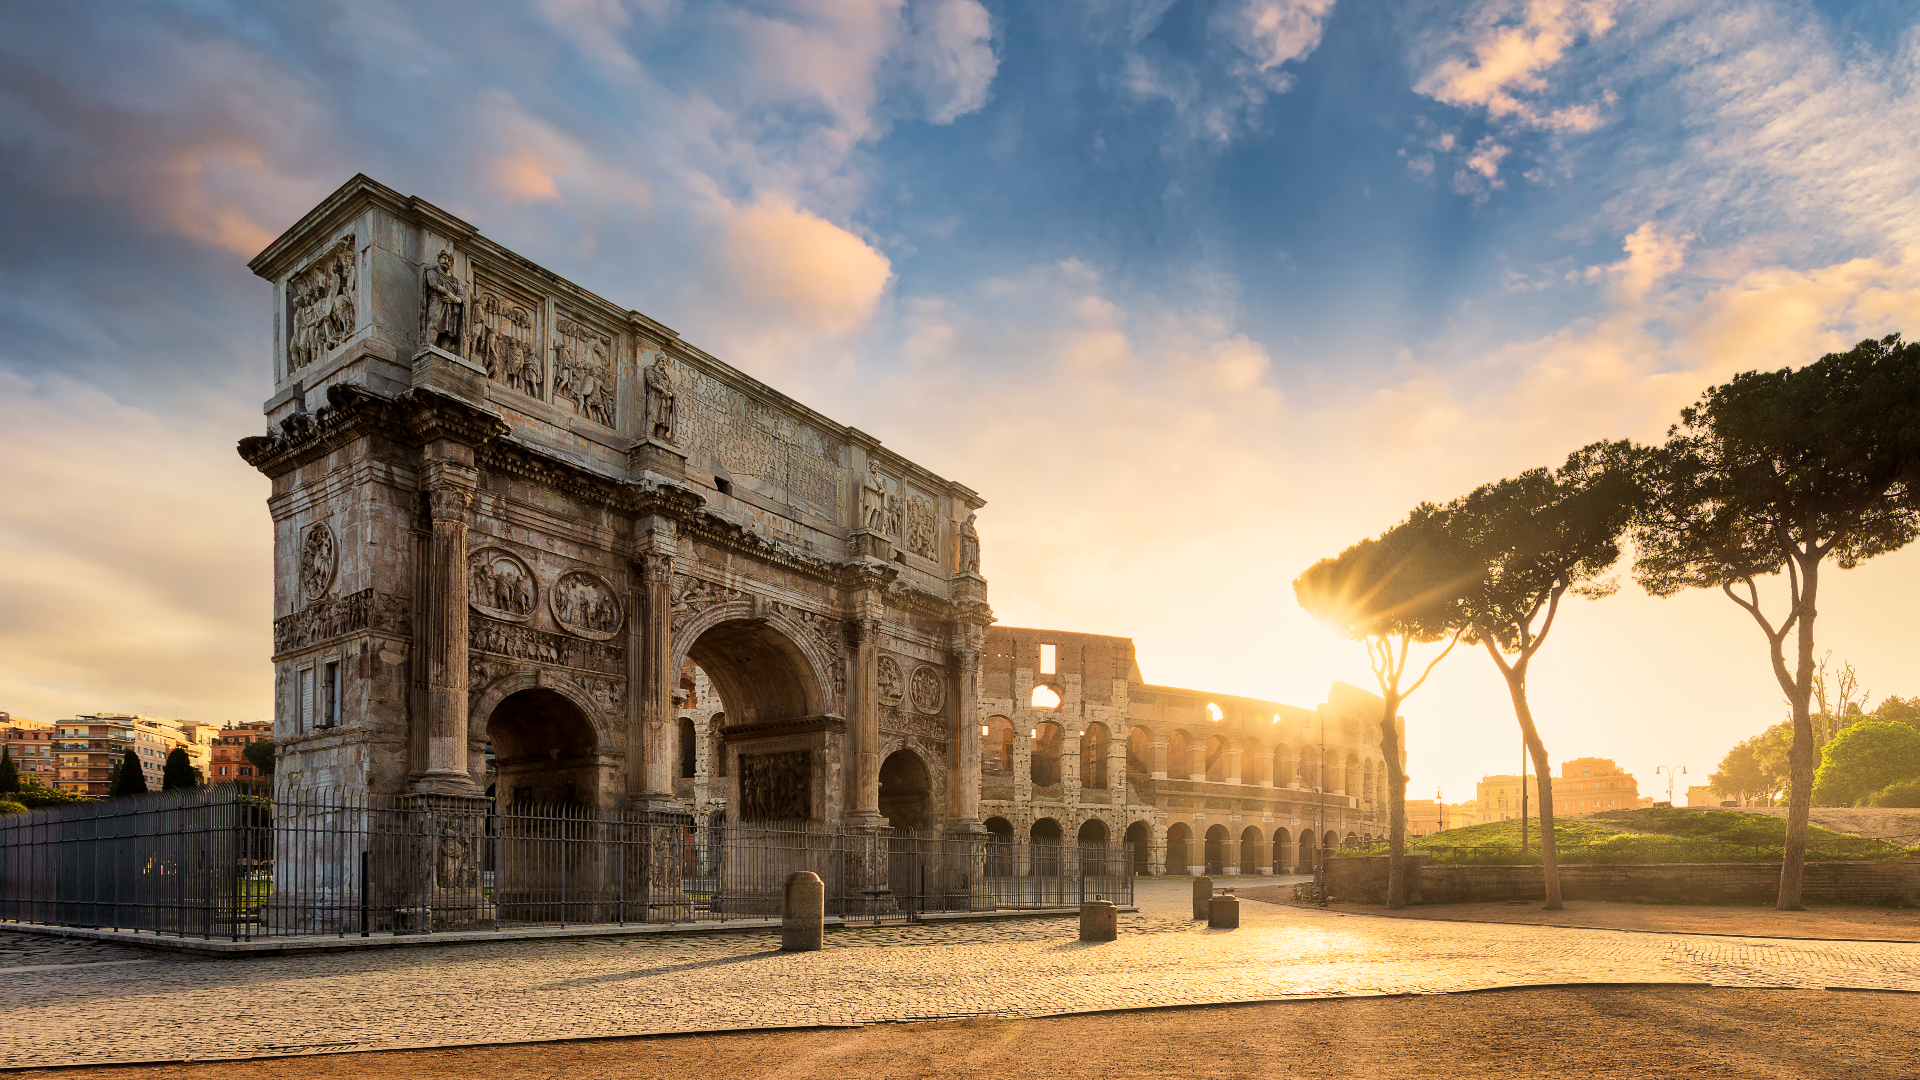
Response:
column 1620, row 1033
column 1833, row 923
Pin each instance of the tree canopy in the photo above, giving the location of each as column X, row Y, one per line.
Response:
column 1865, row 758
column 1522, row 544
column 1756, row 768
column 259, row 753
column 178, row 773
column 1777, row 471
column 1391, row 592
column 9, row 771
column 128, row 777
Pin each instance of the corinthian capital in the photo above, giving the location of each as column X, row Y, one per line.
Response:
column 449, row 503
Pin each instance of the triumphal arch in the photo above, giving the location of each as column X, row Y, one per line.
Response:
column 510, row 517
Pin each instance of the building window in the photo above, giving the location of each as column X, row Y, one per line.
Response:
column 302, row 701
column 1049, row 659
column 332, row 701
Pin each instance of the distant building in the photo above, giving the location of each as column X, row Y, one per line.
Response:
column 1702, row 795
column 1428, row 816
column 1586, row 785
column 229, row 751
column 86, row 749
column 1591, row 785
column 31, row 742
column 1463, row 815
column 1498, row 797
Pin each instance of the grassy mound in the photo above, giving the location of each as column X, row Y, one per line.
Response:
column 1650, row 835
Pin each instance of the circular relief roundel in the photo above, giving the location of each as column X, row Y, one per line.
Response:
column 500, row 585
column 319, row 558
column 585, row 605
column 928, row 689
column 892, row 686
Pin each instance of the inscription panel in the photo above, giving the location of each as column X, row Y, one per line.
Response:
column 752, row 439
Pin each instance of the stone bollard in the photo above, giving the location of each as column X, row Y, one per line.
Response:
column 1099, row 921
column 803, row 912
column 1202, row 892
column 1223, row 913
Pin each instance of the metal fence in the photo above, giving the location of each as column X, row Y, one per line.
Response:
column 237, row 863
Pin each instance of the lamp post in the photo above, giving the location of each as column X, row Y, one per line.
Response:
column 1669, row 770
column 1320, row 820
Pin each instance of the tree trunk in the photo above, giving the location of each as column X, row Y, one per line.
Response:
column 1793, row 860
column 1396, row 806
column 1549, row 868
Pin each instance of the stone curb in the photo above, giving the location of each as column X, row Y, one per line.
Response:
column 308, row 946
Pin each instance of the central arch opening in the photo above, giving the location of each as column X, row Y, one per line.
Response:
column 545, row 752
column 906, row 791
column 755, row 675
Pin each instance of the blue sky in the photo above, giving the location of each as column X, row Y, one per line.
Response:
column 1194, row 293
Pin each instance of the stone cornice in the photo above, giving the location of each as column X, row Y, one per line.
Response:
column 780, row 729
column 350, row 412
column 712, row 529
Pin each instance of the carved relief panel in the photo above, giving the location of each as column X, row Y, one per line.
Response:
column 929, row 689
column 319, row 559
column 585, row 605
column 501, row 585
column 922, row 529
column 583, row 370
column 321, row 313
column 506, row 337
column 690, row 595
column 892, row 687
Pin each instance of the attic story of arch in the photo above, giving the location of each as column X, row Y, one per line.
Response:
column 530, row 546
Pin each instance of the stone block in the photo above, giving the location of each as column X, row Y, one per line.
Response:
column 803, row 913
column 1202, row 896
column 1099, row 921
column 1223, row 913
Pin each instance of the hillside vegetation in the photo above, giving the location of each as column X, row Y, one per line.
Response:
column 1651, row 835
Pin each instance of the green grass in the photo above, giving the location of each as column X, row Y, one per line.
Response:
column 1651, row 835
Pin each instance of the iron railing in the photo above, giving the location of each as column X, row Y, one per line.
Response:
column 239, row 863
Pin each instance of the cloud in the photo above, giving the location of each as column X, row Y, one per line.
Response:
column 1506, row 55
column 801, row 269
column 948, row 56
column 1250, row 43
column 1651, row 256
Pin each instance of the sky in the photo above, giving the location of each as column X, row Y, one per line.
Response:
column 1193, row 293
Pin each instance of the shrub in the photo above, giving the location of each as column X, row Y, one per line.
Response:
column 8, row 806
column 1899, row 793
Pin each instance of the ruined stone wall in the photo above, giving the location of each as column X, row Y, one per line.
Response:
column 1893, row 882
column 1174, row 772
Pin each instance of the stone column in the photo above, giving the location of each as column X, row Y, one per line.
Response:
column 1233, row 764
column 449, row 494
column 1159, row 763
column 965, row 784
column 650, row 678
column 1264, row 764
column 866, row 722
column 1197, row 761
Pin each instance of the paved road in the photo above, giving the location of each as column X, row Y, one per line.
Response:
column 64, row 1003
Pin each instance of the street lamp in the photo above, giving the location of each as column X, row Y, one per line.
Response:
column 1668, row 769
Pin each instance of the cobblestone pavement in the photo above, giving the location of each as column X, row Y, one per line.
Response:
column 64, row 1003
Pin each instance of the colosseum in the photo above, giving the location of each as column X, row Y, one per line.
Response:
column 1078, row 746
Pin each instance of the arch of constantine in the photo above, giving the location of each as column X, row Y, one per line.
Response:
column 511, row 517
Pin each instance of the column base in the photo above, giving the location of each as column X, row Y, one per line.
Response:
column 448, row 783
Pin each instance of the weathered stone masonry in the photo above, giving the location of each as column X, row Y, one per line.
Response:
column 511, row 517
